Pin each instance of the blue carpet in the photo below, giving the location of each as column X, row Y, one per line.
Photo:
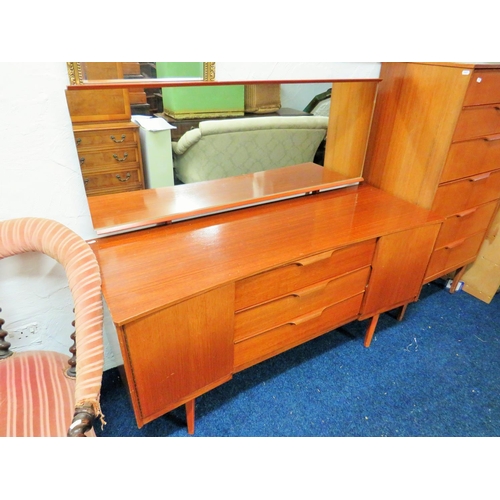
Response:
column 436, row 373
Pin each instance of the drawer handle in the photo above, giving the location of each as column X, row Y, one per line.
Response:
column 307, row 317
column 314, row 258
column 82, row 160
column 86, row 181
column 479, row 177
column 455, row 244
column 492, row 138
column 311, row 290
column 78, row 141
column 118, row 142
column 125, row 155
column 465, row 213
column 118, row 176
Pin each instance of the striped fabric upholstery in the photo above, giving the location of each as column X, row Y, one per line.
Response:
column 43, row 402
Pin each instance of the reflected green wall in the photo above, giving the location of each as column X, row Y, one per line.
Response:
column 198, row 102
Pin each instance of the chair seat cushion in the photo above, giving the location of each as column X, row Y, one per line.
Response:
column 36, row 396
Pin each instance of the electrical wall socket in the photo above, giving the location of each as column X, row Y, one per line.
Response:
column 24, row 336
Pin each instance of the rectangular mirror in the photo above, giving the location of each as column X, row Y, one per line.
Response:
column 116, row 158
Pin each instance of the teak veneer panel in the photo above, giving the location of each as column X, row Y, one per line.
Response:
column 351, row 111
column 186, row 349
column 410, row 139
column 399, row 268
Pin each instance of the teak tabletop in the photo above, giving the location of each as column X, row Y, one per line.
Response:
column 146, row 269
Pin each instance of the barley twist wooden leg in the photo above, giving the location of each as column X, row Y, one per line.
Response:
column 5, row 352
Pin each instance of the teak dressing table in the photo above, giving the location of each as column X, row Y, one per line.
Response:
column 197, row 300
column 197, row 296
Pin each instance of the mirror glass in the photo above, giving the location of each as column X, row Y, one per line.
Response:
column 169, row 101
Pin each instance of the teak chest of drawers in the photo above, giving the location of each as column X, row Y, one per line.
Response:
column 198, row 300
column 110, row 157
column 436, row 142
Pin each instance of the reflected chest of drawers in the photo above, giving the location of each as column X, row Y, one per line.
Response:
column 110, row 157
column 436, row 143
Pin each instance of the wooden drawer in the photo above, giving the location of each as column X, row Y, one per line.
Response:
column 453, row 256
column 477, row 122
column 277, row 340
column 466, row 223
column 484, row 88
column 113, row 181
column 454, row 197
column 117, row 157
column 255, row 320
column 105, row 138
column 472, row 157
column 302, row 273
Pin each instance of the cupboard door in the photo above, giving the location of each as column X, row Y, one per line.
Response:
column 179, row 352
column 398, row 269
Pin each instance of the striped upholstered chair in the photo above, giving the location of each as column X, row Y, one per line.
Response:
column 40, row 394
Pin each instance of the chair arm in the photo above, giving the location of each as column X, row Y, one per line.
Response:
column 83, row 420
column 186, row 141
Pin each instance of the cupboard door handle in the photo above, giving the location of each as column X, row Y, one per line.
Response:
column 479, row 177
column 125, row 155
column 314, row 258
column 492, row 138
column 455, row 244
column 118, row 142
column 118, row 176
column 465, row 213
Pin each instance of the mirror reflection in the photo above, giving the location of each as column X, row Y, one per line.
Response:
column 190, row 128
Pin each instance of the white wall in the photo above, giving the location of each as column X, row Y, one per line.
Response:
column 296, row 96
column 40, row 176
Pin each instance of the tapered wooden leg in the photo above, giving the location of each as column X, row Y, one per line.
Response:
column 371, row 330
column 401, row 313
column 190, row 416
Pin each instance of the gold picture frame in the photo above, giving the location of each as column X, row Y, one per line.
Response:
column 76, row 77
